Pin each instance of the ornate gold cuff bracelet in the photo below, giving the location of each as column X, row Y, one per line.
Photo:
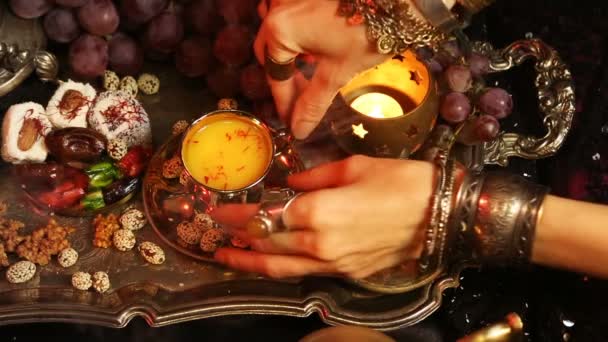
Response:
column 391, row 24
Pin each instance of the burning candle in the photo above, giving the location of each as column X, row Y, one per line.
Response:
column 377, row 105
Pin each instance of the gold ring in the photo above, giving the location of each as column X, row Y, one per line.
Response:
column 279, row 71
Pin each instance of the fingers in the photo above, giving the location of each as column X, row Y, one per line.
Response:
column 329, row 175
column 234, row 215
column 263, row 9
column 312, row 104
column 272, row 265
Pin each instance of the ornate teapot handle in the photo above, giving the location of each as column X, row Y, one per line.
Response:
column 555, row 91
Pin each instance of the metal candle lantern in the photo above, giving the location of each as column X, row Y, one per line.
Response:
column 386, row 111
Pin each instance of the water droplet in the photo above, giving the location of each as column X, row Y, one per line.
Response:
column 604, row 129
column 566, row 337
column 596, row 157
column 466, row 318
column 529, row 35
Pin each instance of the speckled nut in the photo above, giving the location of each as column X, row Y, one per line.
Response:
column 189, row 233
column 20, row 272
column 151, row 252
column 238, row 243
column 117, row 148
column 67, row 257
column 111, row 81
column 172, row 168
column 180, row 127
column 148, row 84
column 101, row 282
column 129, row 85
column 82, row 281
column 227, row 104
column 132, row 219
column 212, row 240
column 203, row 221
column 124, row 240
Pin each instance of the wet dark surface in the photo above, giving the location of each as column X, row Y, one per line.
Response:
column 555, row 305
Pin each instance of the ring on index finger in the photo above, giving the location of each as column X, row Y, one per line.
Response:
column 269, row 218
column 278, row 71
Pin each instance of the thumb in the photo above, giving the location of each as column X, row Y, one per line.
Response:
column 330, row 175
column 316, row 98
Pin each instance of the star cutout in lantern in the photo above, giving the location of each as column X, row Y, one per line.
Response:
column 359, row 131
column 415, row 76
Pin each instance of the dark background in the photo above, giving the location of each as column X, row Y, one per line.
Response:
column 555, row 306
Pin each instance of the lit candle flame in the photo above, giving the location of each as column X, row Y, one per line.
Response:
column 377, row 105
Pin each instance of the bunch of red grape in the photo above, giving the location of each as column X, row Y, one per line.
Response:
column 466, row 100
column 204, row 38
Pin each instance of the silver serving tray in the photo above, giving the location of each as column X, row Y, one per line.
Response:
column 183, row 288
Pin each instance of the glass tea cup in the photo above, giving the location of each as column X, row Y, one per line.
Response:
column 230, row 153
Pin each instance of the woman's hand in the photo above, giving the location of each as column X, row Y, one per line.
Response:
column 294, row 27
column 358, row 216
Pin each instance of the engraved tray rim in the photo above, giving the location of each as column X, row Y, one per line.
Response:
column 156, row 315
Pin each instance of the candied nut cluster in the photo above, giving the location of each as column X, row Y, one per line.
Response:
column 105, row 226
column 45, row 242
column 3, row 257
column 9, row 234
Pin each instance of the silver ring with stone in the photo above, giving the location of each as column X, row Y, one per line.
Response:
column 269, row 218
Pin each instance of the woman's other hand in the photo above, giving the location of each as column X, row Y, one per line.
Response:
column 312, row 27
column 356, row 217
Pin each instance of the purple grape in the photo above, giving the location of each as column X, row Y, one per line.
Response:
column 99, row 17
column 193, row 56
column 61, row 25
column 459, row 78
column 253, row 82
column 434, row 66
column 424, row 53
column 88, row 56
column 30, row 9
column 202, row 17
column 126, row 57
column 71, row 3
column 453, row 48
column 233, row 45
column 164, row 33
column 479, row 64
column 455, row 107
column 142, row 11
column 224, row 82
column 237, row 11
column 486, row 127
column 496, row 102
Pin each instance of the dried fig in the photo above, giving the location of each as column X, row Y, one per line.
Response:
column 76, row 144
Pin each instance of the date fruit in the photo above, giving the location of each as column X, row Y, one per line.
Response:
column 76, row 144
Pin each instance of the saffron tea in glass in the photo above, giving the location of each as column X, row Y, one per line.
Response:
column 229, row 153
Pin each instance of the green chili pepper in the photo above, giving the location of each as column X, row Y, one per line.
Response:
column 116, row 173
column 93, row 201
column 99, row 168
column 101, row 180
